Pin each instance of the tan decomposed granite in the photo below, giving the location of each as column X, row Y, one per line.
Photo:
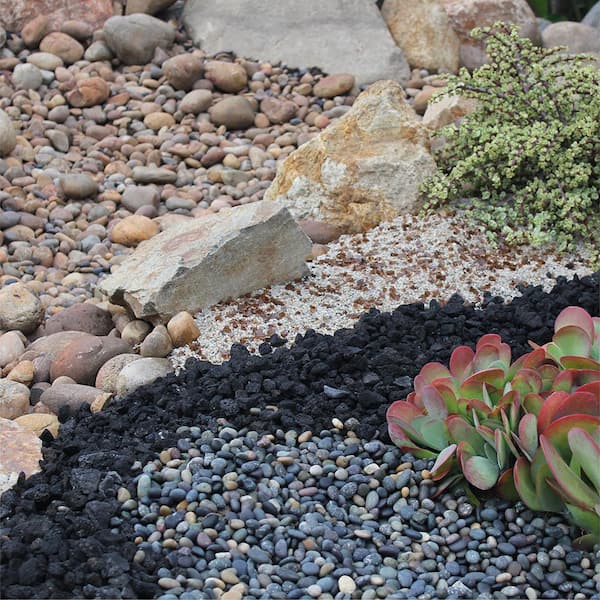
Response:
column 410, row 259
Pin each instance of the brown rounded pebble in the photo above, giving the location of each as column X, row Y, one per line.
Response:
column 133, row 229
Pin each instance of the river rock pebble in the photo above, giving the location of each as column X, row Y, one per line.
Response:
column 14, row 399
column 20, row 309
column 182, row 329
column 134, row 229
column 68, row 49
column 71, row 396
column 276, row 514
column 8, row 136
column 140, row 372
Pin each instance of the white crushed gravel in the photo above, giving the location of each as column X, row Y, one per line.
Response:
column 410, row 259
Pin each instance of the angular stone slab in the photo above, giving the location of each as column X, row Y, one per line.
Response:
column 339, row 36
column 213, row 258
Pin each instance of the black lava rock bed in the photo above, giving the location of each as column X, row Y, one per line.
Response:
column 61, row 531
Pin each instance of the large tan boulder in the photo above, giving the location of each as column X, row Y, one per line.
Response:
column 21, row 451
column 365, row 168
column 423, row 31
column 467, row 14
column 14, row 14
column 200, row 263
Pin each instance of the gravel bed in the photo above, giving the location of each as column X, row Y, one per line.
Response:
column 104, row 517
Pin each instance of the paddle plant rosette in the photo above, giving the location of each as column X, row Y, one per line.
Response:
column 529, row 430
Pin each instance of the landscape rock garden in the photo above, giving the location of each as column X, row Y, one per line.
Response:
column 216, row 278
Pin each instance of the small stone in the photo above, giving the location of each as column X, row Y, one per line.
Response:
column 234, row 112
column 98, row 51
column 20, row 309
column 34, row 30
column 106, row 379
column 27, row 76
column 153, row 175
column 334, row 85
column 182, row 329
column 89, row 92
column 157, row 343
column 157, row 120
column 71, row 395
column 136, row 196
column 135, row 331
column 23, row 372
column 11, row 347
column 45, row 60
column 141, row 372
column 183, row 71
column 14, row 399
column 277, row 110
column 134, row 229
column 346, row 585
column 62, row 45
column 196, row 101
column 8, row 135
column 78, row 186
column 81, row 359
column 227, row 77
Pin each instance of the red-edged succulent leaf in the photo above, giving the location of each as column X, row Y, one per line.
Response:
column 460, row 362
column 574, row 315
column 460, row 430
column 432, row 431
column 549, row 407
column 493, row 340
column 400, row 439
column 487, row 434
column 481, row 472
column 548, row 374
column 506, row 486
column 586, row 451
column 502, row 449
column 448, row 393
column 566, row 482
column 557, row 432
column 433, row 402
column 528, row 435
column 533, row 403
column 532, row 360
column 494, row 378
column 571, row 379
column 579, row 362
column 402, row 411
column 538, row 496
column 444, row 463
column 429, row 373
column 570, row 340
column 587, row 520
column 467, row 405
column 526, row 381
column 578, row 403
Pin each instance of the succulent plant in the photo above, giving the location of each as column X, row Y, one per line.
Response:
column 505, row 427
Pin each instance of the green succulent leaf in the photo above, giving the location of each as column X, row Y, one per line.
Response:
column 569, row 341
column 586, row 452
column 444, row 462
column 480, row 472
column 579, row 362
column 566, row 482
column 460, row 430
column 506, row 486
column 429, row 373
column 534, row 492
column 528, row 435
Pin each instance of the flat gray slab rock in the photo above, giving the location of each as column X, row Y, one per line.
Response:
column 338, row 36
column 214, row 258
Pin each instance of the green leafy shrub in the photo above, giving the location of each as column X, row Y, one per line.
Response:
column 528, row 430
column 526, row 162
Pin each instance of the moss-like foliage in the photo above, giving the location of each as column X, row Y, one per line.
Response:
column 527, row 162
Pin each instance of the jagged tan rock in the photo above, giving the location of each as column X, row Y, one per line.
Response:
column 423, row 31
column 21, row 451
column 361, row 170
column 207, row 260
column 446, row 110
column 39, row 422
